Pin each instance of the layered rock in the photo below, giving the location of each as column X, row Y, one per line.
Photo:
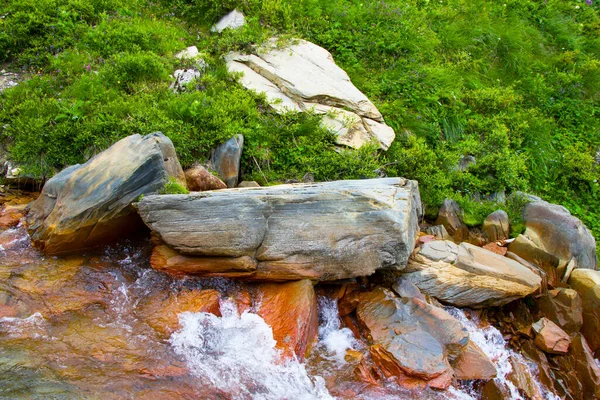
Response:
column 303, row 76
column 325, row 231
column 556, row 231
column 90, row 204
column 550, row 338
column 468, row 276
column 411, row 340
column 290, row 309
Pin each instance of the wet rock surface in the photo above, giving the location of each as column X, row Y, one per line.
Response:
column 324, row 231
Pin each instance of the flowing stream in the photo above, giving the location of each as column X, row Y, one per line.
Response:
column 78, row 327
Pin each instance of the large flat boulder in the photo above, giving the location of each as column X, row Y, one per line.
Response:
column 302, row 76
column 468, row 276
column 556, row 231
column 90, row 204
column 325, row 231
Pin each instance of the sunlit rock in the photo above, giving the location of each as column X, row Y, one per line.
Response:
column 324, row 231
column 550, row 338
column 468, row 276
column 91, row 204
column 302, row 76
column 225, row 160
column 450, row 216
column 472, row 363
column 234, row 20
column 556, row 231
column 199, row 179
column 496, row 226
column 562, row 306
column 290, row 309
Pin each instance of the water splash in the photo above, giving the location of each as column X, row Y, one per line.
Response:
column 237, row 354
column 334, row 339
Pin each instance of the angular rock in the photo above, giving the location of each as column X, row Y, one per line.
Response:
column 550, row 338
column 494, row 248
column 163, row 314
column 303, row 76
column 226, row 160
column 496, row 226
column 583, row 280
column 183, row 77
column 439, row 231
column 450, row 216
column 290, row 309
column 199, row 179
column 410, row 336
column 535, row 355
column 325, row 231
column 563, row 307
column 405, row 288
column 187, row 54
column 523, row 379
column 523, row 247
column 234, row 20
column 586, row 368
column 468, row 276
column 556, row 231
column 91, row 204
column 591, row 317
column 472, row 363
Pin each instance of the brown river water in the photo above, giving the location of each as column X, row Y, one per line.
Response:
column 80, row 327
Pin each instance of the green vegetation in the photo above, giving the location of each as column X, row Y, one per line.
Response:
column 173, row 187
column 516, row 84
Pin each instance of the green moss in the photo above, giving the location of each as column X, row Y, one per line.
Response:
column 173, row 187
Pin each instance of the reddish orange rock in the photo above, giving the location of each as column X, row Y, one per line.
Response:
column 290, row 309
column 163, row 314
column 7, row 311
column 199, row 179
column 550, row 338
column 10, row 216
column 493, row 247
column 472, row 363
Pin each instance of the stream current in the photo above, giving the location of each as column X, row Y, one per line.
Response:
column 76, row 327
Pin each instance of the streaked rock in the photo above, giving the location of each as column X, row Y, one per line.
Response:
column 324, row 231
column 496, row 226
column 226, row 160
column 450, row 216
column 302, row 76
column 468, row 276
column 199, row 179
column 91, row 204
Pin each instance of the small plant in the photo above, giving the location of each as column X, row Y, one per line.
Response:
column 174, row 187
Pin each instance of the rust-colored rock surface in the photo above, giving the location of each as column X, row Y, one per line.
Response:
column 163, row 314
column 290, row 309
column 472, row 363
column 11, row 215
column 562, row 306
column 550, row 338
column 200, row 179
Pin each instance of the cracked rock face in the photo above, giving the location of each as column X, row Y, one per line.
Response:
column 303, row 76
column 468, row 276
column 324, row 231
column 90, row 204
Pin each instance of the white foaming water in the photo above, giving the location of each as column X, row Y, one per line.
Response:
column 237, row 354
column 336, row 341
column 34, row 326
column 491, row 342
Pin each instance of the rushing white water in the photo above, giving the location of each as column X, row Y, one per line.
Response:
column 237, row 354
column 334, row 339
column 492, row 343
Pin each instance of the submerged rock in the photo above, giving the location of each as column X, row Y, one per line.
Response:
column 303, row 76
column 556, row 231
column 290, row 309
column 468, row 276
column 324, row 231
column 226, row 160
column 90, row 204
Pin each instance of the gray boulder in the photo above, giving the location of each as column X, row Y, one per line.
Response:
column 325, row 231
column 90, row 204
column 225, row 160
column 234, row 20
column 557, row 232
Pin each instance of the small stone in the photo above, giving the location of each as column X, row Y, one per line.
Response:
column 550, row 338
column 439, row 231
column 199, row 179
column 495, row 248
column 234, row 20
column 246, row 184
